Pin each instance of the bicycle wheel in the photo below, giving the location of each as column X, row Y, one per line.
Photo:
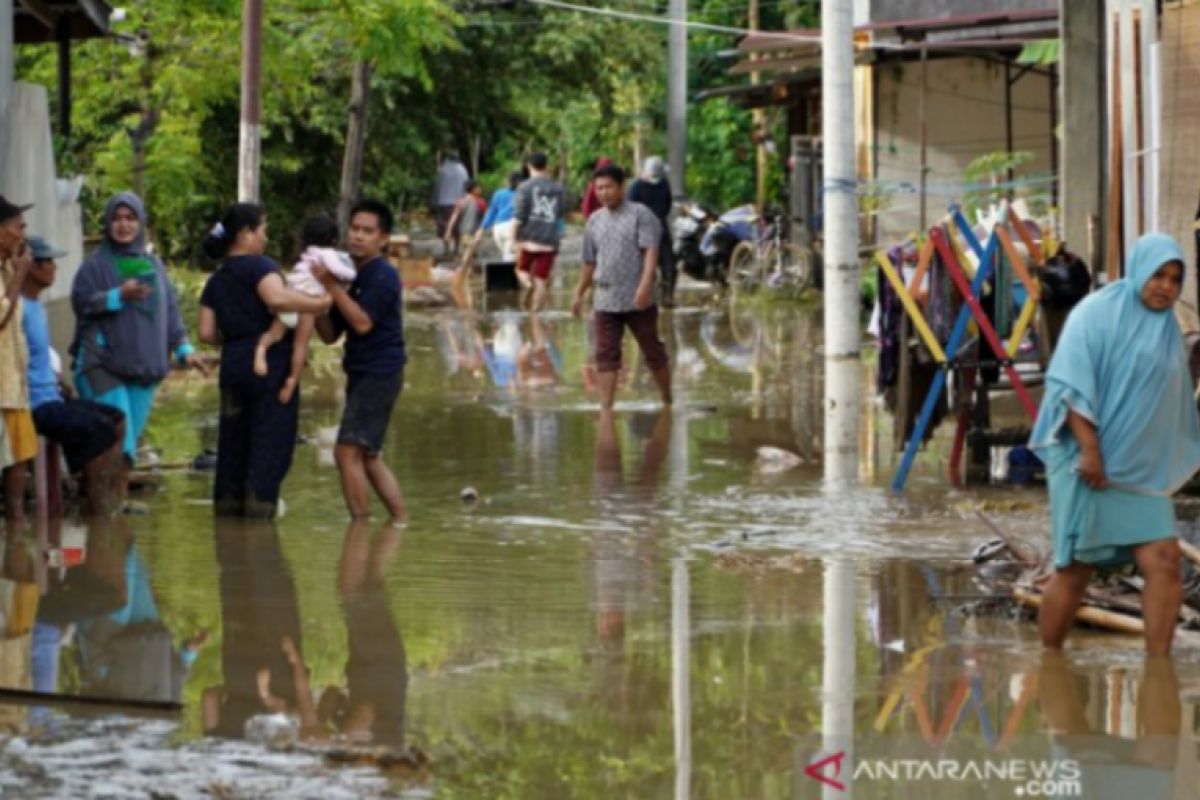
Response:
column 793, row 269
column 743, row 269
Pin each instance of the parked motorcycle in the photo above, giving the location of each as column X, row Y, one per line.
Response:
column 704, row 242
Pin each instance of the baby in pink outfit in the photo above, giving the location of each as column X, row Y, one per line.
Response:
column 320, row 235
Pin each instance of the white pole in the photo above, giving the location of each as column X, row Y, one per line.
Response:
column 841, row 243
column 250, row 150
column 840, row 671
column 677, row 99
column 7, row 46
column 681, row 679
column 1129, row 128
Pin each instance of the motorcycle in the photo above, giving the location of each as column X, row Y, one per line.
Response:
column 704, row 242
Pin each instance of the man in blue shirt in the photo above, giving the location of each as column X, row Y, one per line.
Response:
column 368, row 314
column 91, row 435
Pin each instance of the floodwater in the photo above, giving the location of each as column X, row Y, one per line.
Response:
column 647, row 609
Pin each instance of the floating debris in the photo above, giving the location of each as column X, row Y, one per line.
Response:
column 773, row 460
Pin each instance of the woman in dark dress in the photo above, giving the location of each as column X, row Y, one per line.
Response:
column 257, row 433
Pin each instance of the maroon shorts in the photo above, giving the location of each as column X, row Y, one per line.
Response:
column 539, row 265
column 609, row 331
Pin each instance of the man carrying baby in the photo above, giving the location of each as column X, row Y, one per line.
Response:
column 368, row 314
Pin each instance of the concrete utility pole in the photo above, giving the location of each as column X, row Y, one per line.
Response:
column 760, row 124
column 839, row 670
column 677, row 97
column 250, row 156
column 1084, row 107
column 842, row 370
column 7, row 46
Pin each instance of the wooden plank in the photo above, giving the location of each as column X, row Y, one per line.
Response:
column 910, row 305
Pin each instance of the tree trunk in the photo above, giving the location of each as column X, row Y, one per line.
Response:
column 356, row 140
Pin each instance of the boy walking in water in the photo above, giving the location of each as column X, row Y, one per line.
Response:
column 539, row 212
column 368, row 313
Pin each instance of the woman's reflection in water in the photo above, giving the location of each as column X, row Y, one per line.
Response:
column 261, row 646
column 263, row 653
column 1146, row 767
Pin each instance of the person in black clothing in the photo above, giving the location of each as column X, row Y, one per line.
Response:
column 368, row 314
column 257, row 433
column 654, row 192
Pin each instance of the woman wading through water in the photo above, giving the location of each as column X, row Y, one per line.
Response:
column 1119, row 433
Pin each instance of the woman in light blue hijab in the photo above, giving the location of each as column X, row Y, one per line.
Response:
column 1119, row 432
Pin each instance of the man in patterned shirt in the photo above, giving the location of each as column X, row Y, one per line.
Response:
column 620, row 260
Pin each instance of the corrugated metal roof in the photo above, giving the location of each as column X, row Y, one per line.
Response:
column 84, row 19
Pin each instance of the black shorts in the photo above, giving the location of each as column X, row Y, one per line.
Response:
column 370, row 400
column 83, row 429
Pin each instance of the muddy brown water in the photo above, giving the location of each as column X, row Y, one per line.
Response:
column 642, row 610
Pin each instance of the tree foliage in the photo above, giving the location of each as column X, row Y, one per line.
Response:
column 493, row 83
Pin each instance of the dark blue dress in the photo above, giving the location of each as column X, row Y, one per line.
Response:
column 257, row 434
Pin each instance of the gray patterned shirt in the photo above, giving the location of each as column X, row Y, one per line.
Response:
column 615, row 242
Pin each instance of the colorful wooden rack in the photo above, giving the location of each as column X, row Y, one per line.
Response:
column 943, row 243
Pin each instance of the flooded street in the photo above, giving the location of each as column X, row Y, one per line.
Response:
column 648, row 609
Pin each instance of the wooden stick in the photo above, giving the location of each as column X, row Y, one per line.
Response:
column 1190, row 551
column 1121, row 623
column 910, row 305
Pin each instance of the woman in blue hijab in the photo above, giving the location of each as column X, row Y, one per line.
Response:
column 1119, row 432
column 127, row 323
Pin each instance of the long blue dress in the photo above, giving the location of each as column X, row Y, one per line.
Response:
column 1121, row 366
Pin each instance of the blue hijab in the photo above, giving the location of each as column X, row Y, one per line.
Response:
column 1123, row 367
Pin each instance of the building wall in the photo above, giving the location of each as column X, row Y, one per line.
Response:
column 966, row 119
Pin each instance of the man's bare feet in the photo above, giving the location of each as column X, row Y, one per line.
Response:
column 289, row 388
column 260, row 361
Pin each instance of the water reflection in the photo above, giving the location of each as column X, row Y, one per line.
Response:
column 93, row 622
column 632, row 609
column 263, row 656
column 262, row 645
column 1139, row 748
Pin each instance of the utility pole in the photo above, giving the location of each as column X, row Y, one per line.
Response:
column 250, row 155
column 760, row 124
column 677, row 96
column 7, row 46
column 1083, row 103
column 842, row 368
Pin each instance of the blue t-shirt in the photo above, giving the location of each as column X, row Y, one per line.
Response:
column 501, row 210
column 381, row 351
column 43, row 383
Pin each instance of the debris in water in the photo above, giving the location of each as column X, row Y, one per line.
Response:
column 470, row 496
column 773, row 461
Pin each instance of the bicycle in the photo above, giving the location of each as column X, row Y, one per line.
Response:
column 771, row 263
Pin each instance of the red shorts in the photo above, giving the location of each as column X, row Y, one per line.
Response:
column 539, row 265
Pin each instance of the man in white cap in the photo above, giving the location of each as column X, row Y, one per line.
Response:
column 91, row 434
column 18, row 441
